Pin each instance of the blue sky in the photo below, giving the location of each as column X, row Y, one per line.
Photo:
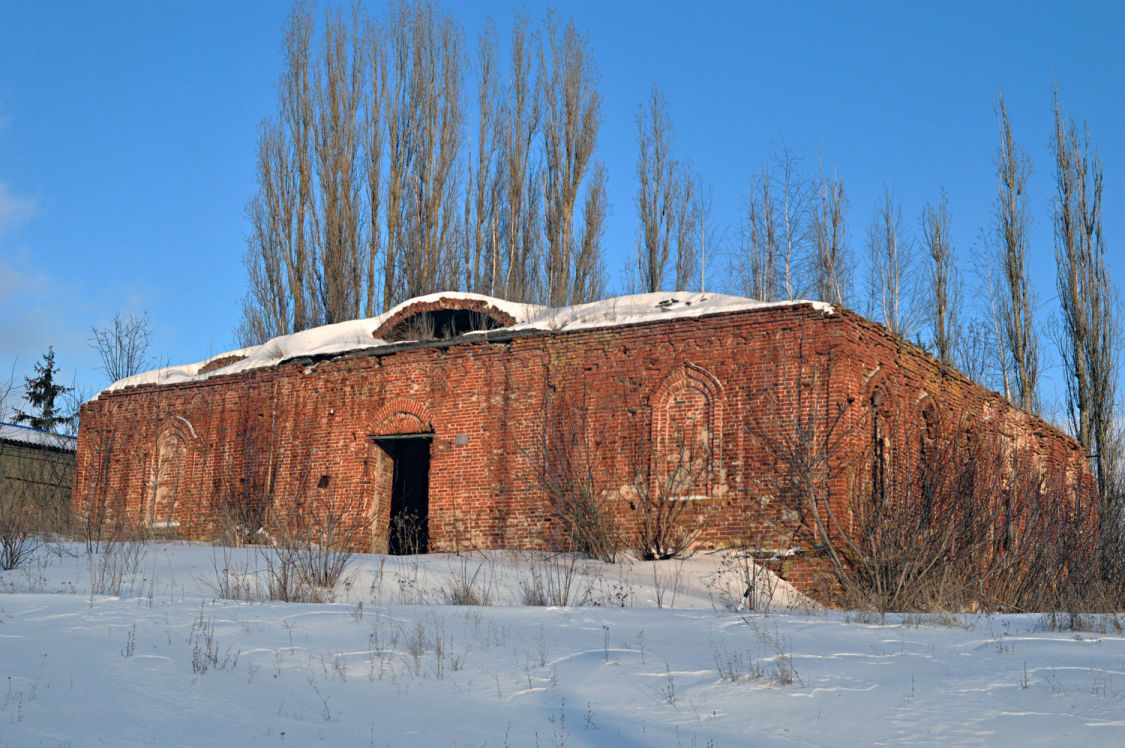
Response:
column 127, row 135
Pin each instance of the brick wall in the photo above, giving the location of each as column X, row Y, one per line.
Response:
column 735, row 382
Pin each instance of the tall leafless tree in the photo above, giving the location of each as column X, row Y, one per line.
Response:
column 941, row 276
column 483, row 257
column 756, row 267
column 338, row 247
column 704, row 200
column 1012, row 226
column 665, row 204
column 374, row 143
column 589, row 268
column 428, row 43
column 776, row 229
column 832, row 268
column 891, row 288
column 296, row 116
column 278, row 253
column 999, row 363
column 516, row 272
column 1090, row 341
column 366, row 195
column 571, row 117
column 123, row 345
column 792, row 215
column 396, row 100
column 306, row 250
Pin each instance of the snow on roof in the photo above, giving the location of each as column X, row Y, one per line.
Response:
column 14, row 432
column 356, row 335
column 649, row 307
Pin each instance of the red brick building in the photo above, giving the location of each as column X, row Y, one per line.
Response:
column 466, row 413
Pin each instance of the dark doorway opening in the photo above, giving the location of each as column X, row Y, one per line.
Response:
column 409, row 529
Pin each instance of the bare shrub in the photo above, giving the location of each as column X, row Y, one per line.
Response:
column 663, row 584
column 808, row 441
column 549, row 580
column 735, row 666
column 664, row 487
column 470, row 584
column 234, row 579
column 409, row 533
column 35, row 481
column 745, row 581
column 206, row 654
column 973, row 521
column 955, row 515
column 310, row 552
column 21, row 529
column 567, row 472
column 115, row 567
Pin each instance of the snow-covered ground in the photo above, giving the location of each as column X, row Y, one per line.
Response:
column 392, row 663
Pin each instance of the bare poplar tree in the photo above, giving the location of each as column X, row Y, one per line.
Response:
column 665, row 203
column 396, row 102
column 687, row 225
column 704, row 198
column 516, row 273
column 360, row 199
column 891, row 261
column 338, row 90
column 1012, row 225
column 307, row 251
column 429, row 45
column 1090, row 340
column 1000, row 364
column 296, row 117
column 123, row 345
column 373, row 145
column 942, row 281
column 792, row 213
column 267, row 309
column 571, row 108
column 832, row 269
column 483, row 260
column 589, row 270
column 757, row 266
column 278, row 259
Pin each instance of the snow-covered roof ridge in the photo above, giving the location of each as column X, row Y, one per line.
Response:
column 651, row 307
column 356, row 335
column 14, row 432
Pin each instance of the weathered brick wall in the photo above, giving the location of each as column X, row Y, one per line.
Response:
column 304, row 429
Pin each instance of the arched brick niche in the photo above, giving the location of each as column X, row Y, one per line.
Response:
column 441, row 319
column 169, row 489
column 687, row 432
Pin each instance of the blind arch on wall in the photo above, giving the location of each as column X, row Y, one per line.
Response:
column 687, row 432
column 170, row 476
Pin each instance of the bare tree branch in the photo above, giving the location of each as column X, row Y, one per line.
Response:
column 1012, row 223
column 123, row 345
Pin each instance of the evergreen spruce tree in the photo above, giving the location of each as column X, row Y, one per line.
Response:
column 42, row 391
